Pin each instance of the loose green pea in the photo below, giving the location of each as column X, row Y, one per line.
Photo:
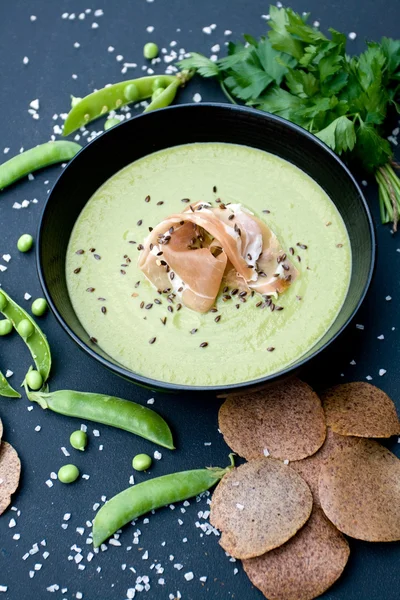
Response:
column 5, row 327
column 78, row 439
column 25, row 242
column 68, row 474
column 34, row 380
column 150, row 50
column 25, row 328
column 39, row 307
column 159, row 82
column 157, row 92
column 141, row 462
column 111, row 123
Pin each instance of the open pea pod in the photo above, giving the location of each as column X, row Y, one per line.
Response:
column 36, row 340
column 113, row 97
column 6, row 389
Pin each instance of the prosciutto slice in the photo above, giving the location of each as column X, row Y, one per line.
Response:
column 192, row 253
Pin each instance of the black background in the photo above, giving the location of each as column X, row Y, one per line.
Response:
column 373, row 569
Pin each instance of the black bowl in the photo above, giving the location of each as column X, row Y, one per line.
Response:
column 161, row 129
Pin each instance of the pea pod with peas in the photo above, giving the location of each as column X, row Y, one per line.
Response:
column 139, row 499
column 110, row 98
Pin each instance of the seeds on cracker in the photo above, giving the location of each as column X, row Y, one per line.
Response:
column 259, row 506
column 10, row 470
column 284, row 421
column 306, row 566
column 360, row 409
column 309, row 468
column 359, row 490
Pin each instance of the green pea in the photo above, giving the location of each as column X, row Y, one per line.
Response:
column 111, row 123
column 39, row 307
column 78, row 439
column 68, row 474
column 25, row 242
column 25, row 328
column 159, row 82
column 34, row 380
column 150, row 50
column 141, row 462
column 131, row 92
column 5, row 327
column 157, row 92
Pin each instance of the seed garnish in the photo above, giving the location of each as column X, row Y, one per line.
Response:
column 90, row 289
column 163, row 320
column 215, row 189
column 299, row 258
column 170, row 309
column 193, row 331
column 185, row 200
column 160, row 203
column 291, row 250
column 142, row 304
column 243, row 294
column 137, row 284
column 258, row 304
column 103, row 310
column 147, row 199
column 122, row 272
column 270, row 349
column 266, row 211
column 101, row 299
column 217, row 318
column 157, row 301
column 139, row 222
column 79, row 252
column 148, row 306
column 178, row 306
column 203, row 344
column 214, row 309
column 152, row 340
column 93, row 340
column 97, row 256
column 77, row 270
column 234, row 292
column 302, row 246
column 132, row 242
column 339, row 245
column 140, row 247
column 225, row 289
column 92, row 249
column 232, row 216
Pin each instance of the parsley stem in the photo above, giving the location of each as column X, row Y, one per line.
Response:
column 227, row 94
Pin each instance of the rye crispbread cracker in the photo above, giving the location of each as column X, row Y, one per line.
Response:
column 259, row 506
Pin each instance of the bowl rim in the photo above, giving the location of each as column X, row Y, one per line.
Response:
column 156, row 384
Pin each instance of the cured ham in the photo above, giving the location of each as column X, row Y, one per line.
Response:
column 192, row 253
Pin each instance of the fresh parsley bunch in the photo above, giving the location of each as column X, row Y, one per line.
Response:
column 300, row 74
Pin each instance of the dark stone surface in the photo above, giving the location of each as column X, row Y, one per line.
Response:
column 373, row 570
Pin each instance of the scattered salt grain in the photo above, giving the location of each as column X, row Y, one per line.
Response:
column 382, row 372
column 189, row 576
column 65, row 451
column 119, row 57
column 150, row 401
column 34, row 104
column 3, row 268
column 239, row 506
column 12, row 523
column 150, row 29
column 207, row 30
column 368, row 378
column 358, row 326
column 3, row 588
column 7, row 257
column 95, row 25
column 157, row 455
column 286, row 462
column 16, row 536
column 83, row 428
column 96, row 433
column 110, row 49
column 388, row 298
column 49, row 483
column 266, row 452
column 352, row 35
column 27, row 296
column 77, row 45
column 227, row 32
column 46, row 555
column 381, row 337
column 197, row 97
column 38, row 428
column 9, row 374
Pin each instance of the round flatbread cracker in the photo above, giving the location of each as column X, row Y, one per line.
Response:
column 309, row 468
column 359, row 490
column 360, row 409
column 1, row 430
column 306, row 566
column 259, row 506
column 285, row 421
column 10, row 470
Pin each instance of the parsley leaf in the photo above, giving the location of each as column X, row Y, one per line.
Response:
column 203, row 65
column 339, row 135
column 371, row 149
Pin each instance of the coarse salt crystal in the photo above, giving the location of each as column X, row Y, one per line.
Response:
column 38, row 428
column 98, row 13
column 96, row 433
column 178, row 566
column 381, row 337
column 16, row 536
column 83, row 428
column 145, row 556
column 79, row 595
column 46, row 555
column 119, row 57
column 77, row 45
column 382, row 372
column 266, row 452
column 239, row 506
column 65, row 451
column 95, row 25
column 189, row 576
column 150, row 401
column 358, row 326
column 207, row 30
column 352, row 35
column 227, row 32
column 150, row 29
column 215, row 48
column 110, row 49
column 157, row 455
column 3, row 588
column 388, row 298
column 49, row 483
column 27, row 296
column 6, row 150
column 2, row 267
column 197, row 97
column 7, row 257
column 9, row 374
column 25, row 203
column 286, row 462
column 12, row 523
column 368, row 377
column 25, row 60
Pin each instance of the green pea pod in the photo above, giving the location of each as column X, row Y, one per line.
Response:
column 36, row 158
column 36, row 342
column 165, row 98
column 154, row 493
column 6, row 389
column 108, row 410
column 111, row 98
